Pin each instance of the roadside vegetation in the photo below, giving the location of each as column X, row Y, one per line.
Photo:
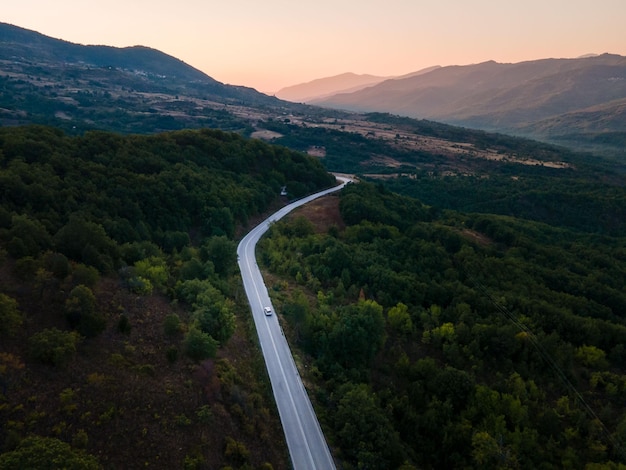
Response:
column 456, row 312
column 462, row 307
column 438, row 339
column 125, row 337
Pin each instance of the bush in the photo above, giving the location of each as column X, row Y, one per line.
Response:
column 171, row 354
column 10, row 317
column 199, row 345
column 45, row 452
column 80, row 311
column 85, row 275
column 53, row 346
column 172, row 325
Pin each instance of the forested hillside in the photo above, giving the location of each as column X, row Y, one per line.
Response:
column 578, row 203
column 125, row 338
column 437, row 339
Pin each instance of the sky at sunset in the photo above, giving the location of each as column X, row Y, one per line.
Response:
column 270, row 44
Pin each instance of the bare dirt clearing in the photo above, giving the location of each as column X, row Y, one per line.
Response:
column 265, row 134
column 323, row 213
column 414, row 142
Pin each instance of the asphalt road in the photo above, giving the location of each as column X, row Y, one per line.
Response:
column 307, row 447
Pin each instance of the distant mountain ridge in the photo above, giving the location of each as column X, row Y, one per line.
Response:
column 326, row 87
column 503, row 97
column 575, row 102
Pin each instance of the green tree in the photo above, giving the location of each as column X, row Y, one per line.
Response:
column 27, row 237
column 222, row 252
column 80, row 311
column 592, row 356
column 47, row 453
column 358, row 334
column 217, row 320
column 486, row 451
column 154, row 269
column 86, row 275
column 172, row 325
column 53, row 346
column 364, row 431
column 399, row 319
column 86, row 241
column 58, row 265
column 219, row 221
column 10, row 317
column 298, row 311
column 213, row 312
column 198, row 345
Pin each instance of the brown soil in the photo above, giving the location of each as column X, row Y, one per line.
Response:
column 476, row 237
column 323, row 213
column 137, row 408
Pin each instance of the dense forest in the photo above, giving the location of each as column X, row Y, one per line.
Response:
column 565, row 200
column 462, row 311
column 438, row 339
column 587, row 194
column 125, row 339
column 473, row 322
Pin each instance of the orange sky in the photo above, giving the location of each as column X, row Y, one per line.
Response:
column 271, row 44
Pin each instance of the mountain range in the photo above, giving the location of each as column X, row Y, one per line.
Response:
column 326, row 87
column 349, row 82
column 552, row 99
column 580, row 103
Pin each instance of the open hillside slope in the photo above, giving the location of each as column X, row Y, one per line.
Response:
column 133, row 89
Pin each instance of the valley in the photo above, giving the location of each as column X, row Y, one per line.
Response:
column 462, row 306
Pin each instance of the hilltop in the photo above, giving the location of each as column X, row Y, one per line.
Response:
column 133, row 89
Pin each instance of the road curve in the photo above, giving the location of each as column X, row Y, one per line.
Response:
column 307, row 447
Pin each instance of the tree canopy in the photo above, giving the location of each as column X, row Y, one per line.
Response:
column 119, row 287
column 475, row 341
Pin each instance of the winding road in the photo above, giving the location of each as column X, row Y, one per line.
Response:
column 307, row 447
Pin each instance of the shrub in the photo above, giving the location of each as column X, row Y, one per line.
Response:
column 80, row 311
column 45, row 452
column 123, row 324
column 172, row 354
column 10, row 317
column 199, row 345
column 53, row 346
